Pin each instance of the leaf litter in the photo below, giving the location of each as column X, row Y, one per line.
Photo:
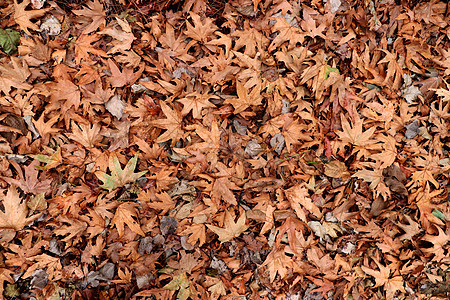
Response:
column 269, row 149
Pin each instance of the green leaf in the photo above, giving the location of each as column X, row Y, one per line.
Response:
column 180, row 282
column 438, row 214
column 51, row 161
column 328, row 70
column 9, row 39
column 119, row 177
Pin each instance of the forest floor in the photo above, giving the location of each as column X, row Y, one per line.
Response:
column 212, row 149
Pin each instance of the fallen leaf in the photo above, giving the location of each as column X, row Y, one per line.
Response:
column 230, row 229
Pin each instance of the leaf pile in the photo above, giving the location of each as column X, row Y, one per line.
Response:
column 265, row 149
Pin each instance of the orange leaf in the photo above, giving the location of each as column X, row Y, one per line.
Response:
column 16, row 211
column 125, row 214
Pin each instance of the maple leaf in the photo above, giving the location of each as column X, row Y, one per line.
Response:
column 123, row 36
column 293, row 132
column 278, row 262
column 324, row 286
column 222, row 189
column 99, row 95
column 217, row 289
column 30, row 182
column 14, row 75
column 23, row 17
column 125, row 77
column 125, row 214
column 393, row 69
column 172, row 124
column 429, row 167
column 223, row 40
column 291, row 226
column 161, row 201
column 44, row 261
column 287, row 33
column 45, row 128
column 200, row 31
column 15, row 214
column 119, row 177
column 5, row 275
column 211, row 142
column 76, row 228
column 86, row 135
column 439, row 241
column 51, row 161
column 83, row 47
column 389, row 152
column 298, row 198
column 87, row 74
column 94, row 11
column 244, row 99
column 355, row 136
column 309, row 25
column 251, row 39
column 180, row 282
column 410, row 229
column 382, row 278
column 197, row 233
column 442, row 92
column 375, row 177
column 66, row 90
column 231, row 229
column 195, row 102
